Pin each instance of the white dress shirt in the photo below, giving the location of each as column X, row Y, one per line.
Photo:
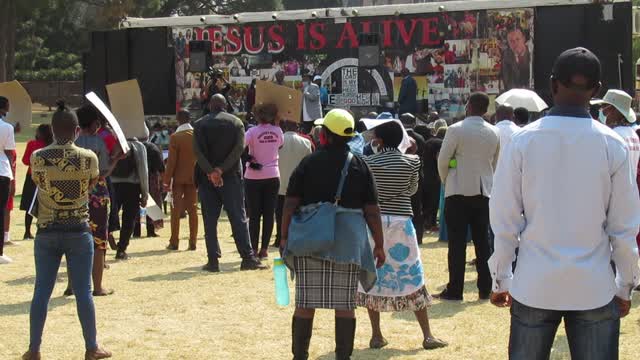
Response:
column 294, row 149
column 506, row 128
column 564, row 193
column 7, row 142
column 630, row 138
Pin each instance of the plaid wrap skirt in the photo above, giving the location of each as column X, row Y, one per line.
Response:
column 323, row 284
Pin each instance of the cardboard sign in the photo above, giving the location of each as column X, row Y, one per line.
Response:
column 288, row 100
column 126, row 104
column 104, row 110
column 19, row 103
column 154, row 211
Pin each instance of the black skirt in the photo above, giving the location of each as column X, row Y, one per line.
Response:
column 28, row 191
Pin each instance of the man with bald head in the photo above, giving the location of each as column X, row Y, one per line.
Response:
column 505, row 125
column 218, row 144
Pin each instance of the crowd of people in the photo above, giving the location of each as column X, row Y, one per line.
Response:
column 552, row 208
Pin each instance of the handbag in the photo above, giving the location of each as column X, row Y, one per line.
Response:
column 313, row 227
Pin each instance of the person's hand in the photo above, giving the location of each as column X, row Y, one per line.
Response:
column 624, row 306
column 501, row 299
column 166, row 187
column 215, row 177
column 379, row 255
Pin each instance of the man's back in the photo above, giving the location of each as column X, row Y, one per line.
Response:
column 217, row 135
column 474, row 144
column 565, row 185
column 181, row 159
column 506, row 129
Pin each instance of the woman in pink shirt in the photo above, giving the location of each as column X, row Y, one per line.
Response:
column 262, row 177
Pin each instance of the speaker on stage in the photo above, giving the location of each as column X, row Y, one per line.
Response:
column 369, row 55
column 200, row 57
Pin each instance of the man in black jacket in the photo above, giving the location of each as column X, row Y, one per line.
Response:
column 218, row 145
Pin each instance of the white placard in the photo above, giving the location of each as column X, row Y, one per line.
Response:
column 154, row 211
column 33, row 208
column 99, row 104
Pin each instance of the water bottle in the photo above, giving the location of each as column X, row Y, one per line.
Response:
column 282, row 286
column 143, row 216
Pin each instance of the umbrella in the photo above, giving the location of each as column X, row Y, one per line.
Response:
column 522, row 98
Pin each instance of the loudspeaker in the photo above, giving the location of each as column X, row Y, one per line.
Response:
column 200, row 57
column 369, row 50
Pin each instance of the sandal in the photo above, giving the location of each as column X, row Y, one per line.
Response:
column 378, row 343
column 431, row 343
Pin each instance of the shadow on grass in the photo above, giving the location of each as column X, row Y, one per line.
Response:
column 31, row 280
column 434, row 245
column 24, row 307
column 386, row 353
column 151, row 253
column 187, row 273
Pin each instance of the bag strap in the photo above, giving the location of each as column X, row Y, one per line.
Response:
column 343, row 177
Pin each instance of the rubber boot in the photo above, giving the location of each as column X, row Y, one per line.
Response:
column 345, row 335
column 301, row 330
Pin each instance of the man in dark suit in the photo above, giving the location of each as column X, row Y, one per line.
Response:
column 407, row 99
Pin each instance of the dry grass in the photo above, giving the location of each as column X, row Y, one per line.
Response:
column 166, row 308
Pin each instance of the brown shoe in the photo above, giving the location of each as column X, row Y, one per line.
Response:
column 96, row 354
column 172, row 247
column 29, row 355
column 192, row 248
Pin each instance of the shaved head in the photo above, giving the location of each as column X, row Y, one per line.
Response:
column 218, row 103
column 504, row 112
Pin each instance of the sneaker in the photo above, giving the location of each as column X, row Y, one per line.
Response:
column 121, row 255
column 444, row 295
column 252, row 263
column 96, row 354
column 4, row 259
column 211, row 267
column 30, row 355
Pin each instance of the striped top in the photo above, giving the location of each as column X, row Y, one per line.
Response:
column 396, row 176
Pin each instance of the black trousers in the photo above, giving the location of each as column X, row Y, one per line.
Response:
column 129, row 202
column 5, row 184
column 418, row 215
column 462, row 212
column 262, row 196
column 432, row 202
column 279, row 208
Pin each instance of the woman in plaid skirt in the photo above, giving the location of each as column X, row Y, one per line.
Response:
column 322, row 282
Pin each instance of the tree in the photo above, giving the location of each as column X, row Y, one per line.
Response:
column 7, row 41
column 310, row 4
column 222, row 7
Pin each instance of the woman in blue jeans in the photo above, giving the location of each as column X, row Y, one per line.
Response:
column 64, row 173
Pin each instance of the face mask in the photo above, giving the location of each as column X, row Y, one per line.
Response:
column 375, row 147
column 602, row 117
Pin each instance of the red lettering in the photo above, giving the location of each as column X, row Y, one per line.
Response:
column 215, row 33
column 248, row 40
column 348, row 34
column 276, row 40
column 386, row 29
column 319, row 41
column 429, row 28
column 406, row 36
column 234, row 42
column 301, row 37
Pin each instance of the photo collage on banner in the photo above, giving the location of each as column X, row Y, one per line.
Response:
column 450, row 55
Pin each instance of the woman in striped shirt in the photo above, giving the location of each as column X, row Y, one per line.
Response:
column 401, row 284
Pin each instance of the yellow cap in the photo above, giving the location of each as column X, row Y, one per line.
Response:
column 339, row 122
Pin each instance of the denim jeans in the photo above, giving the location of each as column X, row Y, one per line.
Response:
column 231, row 196
column 592, row 334
column 49, row 247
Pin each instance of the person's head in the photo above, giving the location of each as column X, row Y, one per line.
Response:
column 441, row 132
column 517, row 41
column 183, row 116
column 423, row 131
column 388, row 135
column 575, row 78
column 616, row 109
column 44, row 134
column 280, row 76
column 64, row 124
column 433, row 116
column 338, row 127
column 266, row 113
column 307, row 78
column 218, row 103
column 521, row 116
column 361, row 126
column 88, row 119
column 317, row 80
column 504, row 112
column 4, row 105
column 408, row 120
column 404, row 72
column 438, row 124
column 478, row 104
column 372, row 115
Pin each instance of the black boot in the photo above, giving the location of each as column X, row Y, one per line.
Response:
column 301, row 330
column 345, row 335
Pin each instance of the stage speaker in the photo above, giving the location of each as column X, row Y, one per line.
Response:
column 369, row 50
column 200, row 57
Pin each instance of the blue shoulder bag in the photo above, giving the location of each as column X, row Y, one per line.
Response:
column 313, row 227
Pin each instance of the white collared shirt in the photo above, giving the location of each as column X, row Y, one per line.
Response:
column 7, row 142
column 184, row 127
column 506, row 128
column 565, row 194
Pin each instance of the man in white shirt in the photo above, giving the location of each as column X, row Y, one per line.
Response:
column 505, row 125
column 295, row 149
column 7, row 156
column 474, row 144
column 565, row 195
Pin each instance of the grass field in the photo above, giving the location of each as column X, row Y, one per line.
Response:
column 166, row 308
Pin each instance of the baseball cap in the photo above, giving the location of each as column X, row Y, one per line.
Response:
column 384, row 116
column 339, row 122
column 577, row 61
column 317, row 77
